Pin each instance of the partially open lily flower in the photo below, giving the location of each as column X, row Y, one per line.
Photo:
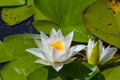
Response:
column 55, row 50
column 98, row 54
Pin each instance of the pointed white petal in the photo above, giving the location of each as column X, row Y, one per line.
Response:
column 104, row 53
column 57, row 67
column 38, row 43
column 59, row 34
column 89, row 47
column 68, row 39
column 90, row 43
column 45, row 46
column 41, row 61
column 59, row 56
column 101, row 47
column 36, row 52
column 43, row 36
column 48, row 56
column 107, row 54
column 62, row 57
column 56, row 54
column 75, row 49
column 53, row 34
column 44, row 40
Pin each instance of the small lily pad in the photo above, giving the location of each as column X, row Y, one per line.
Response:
column 16, row 15
column 4, row 3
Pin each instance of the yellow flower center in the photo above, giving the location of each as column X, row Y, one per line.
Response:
column 57, row 45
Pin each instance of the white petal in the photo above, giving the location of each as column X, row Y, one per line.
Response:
column 45, row 46
column 59, row 56
column 68, row 39
column 48, row 56
column 57, row 67
column 56, row 54
column 75, row 49
column 62, row 57
column 89, row 47
column 41, row 61
column 104, row 53
column 101, row 47
column 43, row 36
column 59, row 34
column 53, row 34
column 36, row 52
column 44, row 41
column 107, row 54
column 38, row 42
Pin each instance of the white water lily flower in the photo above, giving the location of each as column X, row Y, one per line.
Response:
column 98, row 54
column 55, row 50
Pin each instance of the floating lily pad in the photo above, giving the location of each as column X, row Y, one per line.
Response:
column 16, row 15
column 5, row 55
column 66, row 14
column 112, row 73
column 12, row 2
column 22, row 63
column 74, row 71
column 103, row 22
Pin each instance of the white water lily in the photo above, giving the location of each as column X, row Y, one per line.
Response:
column 98, row 54
column 55, row 50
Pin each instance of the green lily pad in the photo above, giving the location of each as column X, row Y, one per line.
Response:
column 16, row 15
column 14, row 44
column 101, row 21
column 66, row 14
column 57, row 78
column 38, row 74
column 112, row 73
column 72, row 71
column 40, row 16
column 5, row 55
column 63, row 12
column 22, row 63
column 20, row 68
column 80, row 33
column 12, row 2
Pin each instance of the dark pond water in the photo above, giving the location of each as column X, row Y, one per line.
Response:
column 24, row 27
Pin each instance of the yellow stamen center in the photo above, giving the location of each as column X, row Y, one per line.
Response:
column 57, row 45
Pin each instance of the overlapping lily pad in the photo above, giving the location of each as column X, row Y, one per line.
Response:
column 74, row 71
column 12, row 2
column 112, row 71
column 22, row 66
column 22, row 62
column 5, row 55
column 103, row 22
column 15, row 15
column 66, row 14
